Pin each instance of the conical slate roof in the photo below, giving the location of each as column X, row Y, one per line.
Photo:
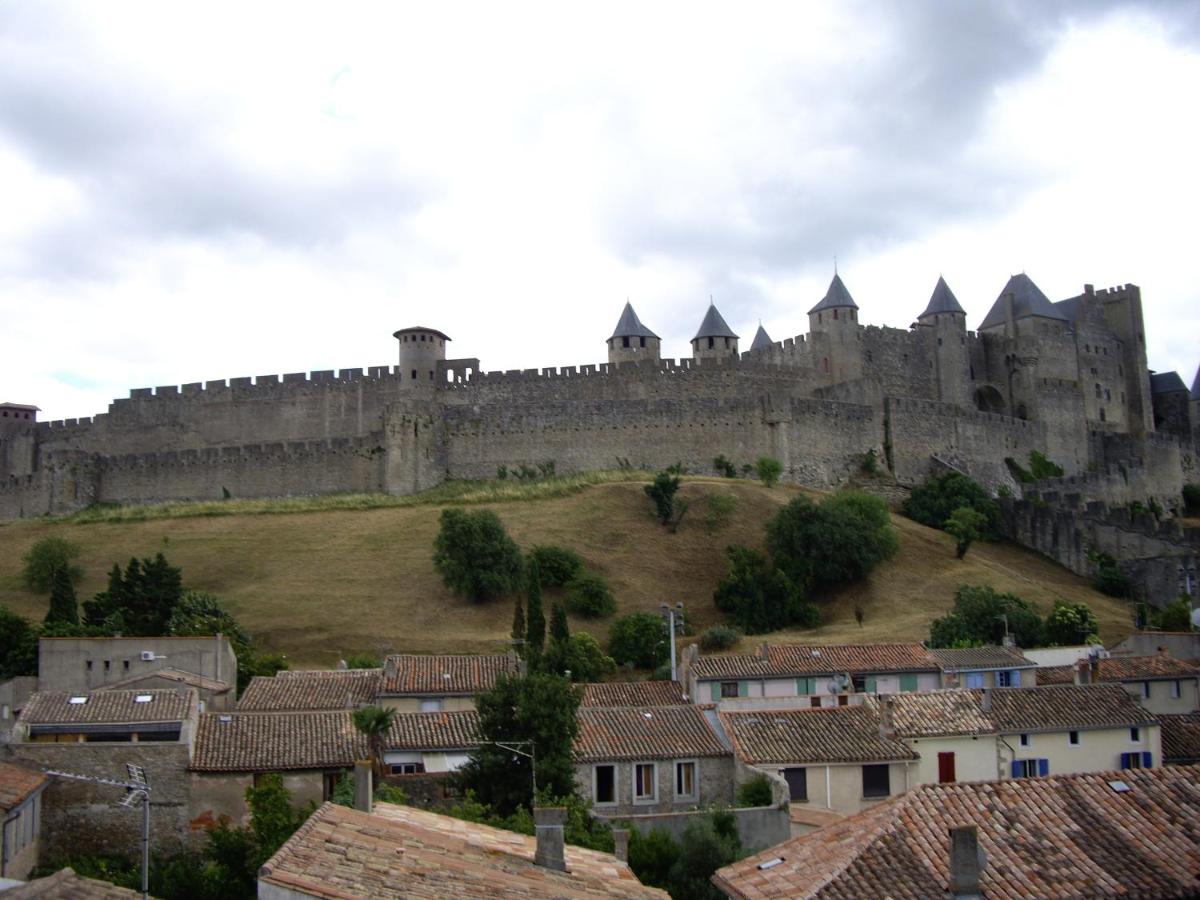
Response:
column 630, row 325
column 836, row 296
column 1028, row 300
column 1166, row 383
column 761, row 339
column 1195, row 395
column 942, row 300
column 713, row 325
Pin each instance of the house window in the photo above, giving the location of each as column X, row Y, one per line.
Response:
column 1030, row 768
column 1176, row 689
column 329, row 783
column 974, row 680
column 806, row 686
column 1135, row 735
column 604, row 784
column 797, row 782
column 710, row 343
column 876, row 781
column 1004, row 679
column 729, row 688
column 815, row 702
column 946, row 774
column 125, row 663
column 107, row 665
column 642, row 342
column 431, row 705
column 908, row 682
column 1136, row 760
column 1073, row 738
column 645, row 783
column 1024, row 740
column 1145, row 690
column 863, row 684
column 843, row 700
column 408, row 768
column 685, row 780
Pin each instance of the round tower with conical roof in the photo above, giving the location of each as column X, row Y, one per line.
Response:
column 632, row 341
column 944, row 325
column 421, row 349
column 836, row 335
column 714, row 339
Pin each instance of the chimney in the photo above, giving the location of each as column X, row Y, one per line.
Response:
column 967, row 862
column 986, row 703
column 1093, row 668
column 1009, row 641
column 1082, row 672
column 621, row 844
column 764, row 652
column 363, row 786
column 548, row 827
column 342, row 665
column 391, row 667
column 887, row 728
column 1164, row 652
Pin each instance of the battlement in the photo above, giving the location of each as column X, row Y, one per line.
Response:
column 1118, row 292
column 273, row 383
column 1099, row 513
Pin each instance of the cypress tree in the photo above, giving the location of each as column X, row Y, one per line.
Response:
column 63, row 606
column 518, row 627
column 560, row 632
column 535, row 619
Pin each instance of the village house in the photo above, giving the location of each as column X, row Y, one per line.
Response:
column 953, row 737
column 421, row 749
column 633, row 693
column 832, row 759
column 21, row 812
column 793, row 675
column 399, row 851
column 1180, row 738
column 985, row 667
column 1162, row 683
column 1105, row 834
column 652, row 759
column 440, row 683
column 14, row 694
column 311, row 689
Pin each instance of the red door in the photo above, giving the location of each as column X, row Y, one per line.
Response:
column 945, row 767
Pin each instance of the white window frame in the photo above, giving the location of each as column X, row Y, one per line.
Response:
column 695, row 794
column 596, row 801
column 653, row 798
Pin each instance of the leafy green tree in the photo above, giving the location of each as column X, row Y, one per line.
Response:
column 708, row 843
column 46, row 557
column 588, row 594
column 585, row 659
column 18, row 645
column 662, row 492
column 374, row 722
column 540, row 708
column 755, row 791
column 560, row 629
column 652, row 856
column 965, row 525
column 535, row 618
column 198, row 614
column 1177, row 616
column 757, row 597
column 639, row 639
column 63, row 605
column 719, row 637
column 979, row 617
column 343, row 793
column 475, row 556
column 769, row 470
column 140, row 601
column 557, row 565
column 1071, row 623
column 935, row 500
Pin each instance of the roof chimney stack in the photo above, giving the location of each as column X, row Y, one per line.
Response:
column 621, row 844
column 887, row 727
column 986, row 702
column 764, row 652
column 1164, row 652
column 363, row 786
column 967, row 862
column 548, row 826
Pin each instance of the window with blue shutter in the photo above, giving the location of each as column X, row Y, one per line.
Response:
column 1016, row 678
column 1043, row 767
column 975, row 680
column 1147, row 760
column 743, row 688
column 1137, row 759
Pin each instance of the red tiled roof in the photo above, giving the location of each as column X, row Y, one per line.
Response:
column 955, row 659
column 633, row 693
column 932, row 713
column 1180, row 737
column 18, row 784
column 834, row 734
column 645, row 732
column 1068, row 836
column 273, row 742
column 1125, row 668
column 1055, row 707
column 312, row 690
column 784, row 660
column 107, row 707
column 402, row 852
column 442, row 674
column 433, row 731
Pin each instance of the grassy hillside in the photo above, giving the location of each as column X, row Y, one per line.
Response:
column 321, row 583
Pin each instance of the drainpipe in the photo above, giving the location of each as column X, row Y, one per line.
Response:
column 4, row 844
column 828, row 790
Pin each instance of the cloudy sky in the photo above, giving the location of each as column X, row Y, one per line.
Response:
column 201, row 191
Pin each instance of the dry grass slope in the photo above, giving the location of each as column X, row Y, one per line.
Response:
column 320, row 584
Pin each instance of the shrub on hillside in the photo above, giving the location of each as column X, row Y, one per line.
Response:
column 1071, row 624
column 757, row 597
column 719, row 637
column 840, row 540
column 719, row 512
column 725, row 468
column 475, row 556
column 662, row 492
column 640, row 640
column 1108, row 577
column 935, row 500
column 769, row 469
column 588, row 594
column 755, row 792
column 980, row 616
column 556, row 565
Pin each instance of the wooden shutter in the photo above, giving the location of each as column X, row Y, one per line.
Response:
column 743, row 688
column 1016, row 768
column 908, row 682
column 1043, row 767
column 1147, row 759
column 869, row 684
column 716, row 690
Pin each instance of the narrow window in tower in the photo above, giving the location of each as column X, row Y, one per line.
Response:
column 835, row 315
column 710, row 343
column 414, row 374
column 642, row 341
column 625, row 342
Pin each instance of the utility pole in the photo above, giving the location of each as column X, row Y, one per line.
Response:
column 137, row 788
column 674, row 617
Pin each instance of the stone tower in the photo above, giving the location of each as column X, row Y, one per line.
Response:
column 944, row 324
column 762, row 340
column 632, row 341
column 836, row 334
column 714, row 339
column 421, row 349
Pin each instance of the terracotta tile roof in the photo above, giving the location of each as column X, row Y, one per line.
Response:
column 442, row 674
column 65, row 884
column 179, row 676
column 645, row 732
column 313, row 689
column 1067, row 836
column 1055, row 675
column 937, row 713
column 398, row 851
column 633, row 693
column 273, row 742
column 107, row 707
column 1065, row 706
column 1125, row 668
column 18, row 784
column 829, row 735
column 433, row 731
column 1180, row 737
column 953, row 660
column 816, row 659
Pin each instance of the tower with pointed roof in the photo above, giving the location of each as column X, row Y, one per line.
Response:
column 631, row 341
column 944, row 326
column 836, row 335
column 714, row 338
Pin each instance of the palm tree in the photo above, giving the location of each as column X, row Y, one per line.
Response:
column 374, row 722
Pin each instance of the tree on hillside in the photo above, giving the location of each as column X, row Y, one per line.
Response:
column 374, row 722
column 518, row 626
column 980, row 616
column 45, row 558
column 475, row 556
column 556, row 565
column 639, row 639
column 18, row 645
column 63, row 605
column 535, row 618
column 759, row 598
column 1071, row 624
column 560, row 629
column 198, row 614
column 769, row 470
column 662, row 492
column 139, row 601
column 966, row 526
column 935, row 500
column 539, row 708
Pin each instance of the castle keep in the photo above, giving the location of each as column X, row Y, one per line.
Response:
column 1068, row 379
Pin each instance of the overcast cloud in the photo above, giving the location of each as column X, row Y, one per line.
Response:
column 220, row 190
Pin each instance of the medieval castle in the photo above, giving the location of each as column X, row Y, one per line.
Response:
column 1067, row 379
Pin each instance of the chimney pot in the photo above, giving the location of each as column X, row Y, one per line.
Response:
column 364, row 788
column 764, row 652
column 548, row 827
column 621, row 844
column 1164, row 652
column 986, row 703
column 967, row 862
